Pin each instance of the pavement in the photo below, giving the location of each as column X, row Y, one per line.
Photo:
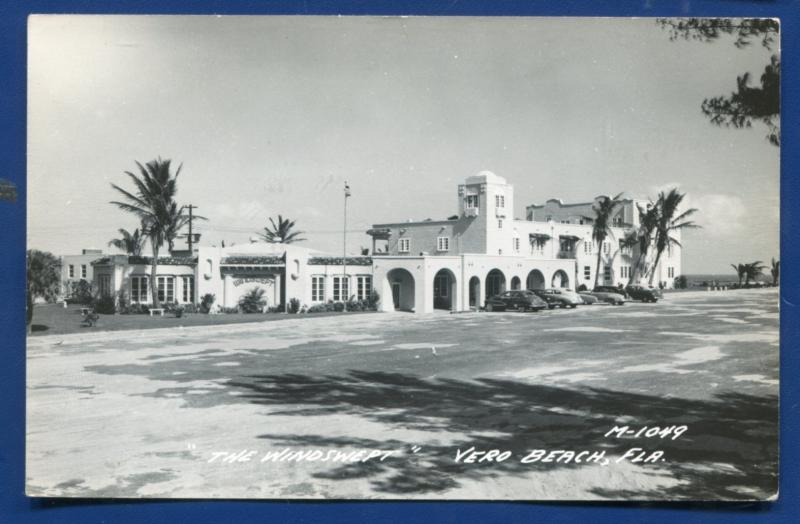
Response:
column 195, row 412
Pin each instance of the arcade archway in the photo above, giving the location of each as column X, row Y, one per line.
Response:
column 535, row 280
column 495, row 283
column 401, row 290
column 560, row 279
column 444, row 290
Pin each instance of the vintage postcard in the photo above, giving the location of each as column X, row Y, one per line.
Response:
column 290, row 257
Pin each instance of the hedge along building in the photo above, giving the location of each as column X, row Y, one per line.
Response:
column 283, row 271
column 483, row 250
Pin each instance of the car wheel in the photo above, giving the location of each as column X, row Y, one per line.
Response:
column 551, row 306
column 573, row 306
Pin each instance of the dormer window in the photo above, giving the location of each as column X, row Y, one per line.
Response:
column 443, row 244
column 473, row 201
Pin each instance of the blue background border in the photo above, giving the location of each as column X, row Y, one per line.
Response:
column 15, row 507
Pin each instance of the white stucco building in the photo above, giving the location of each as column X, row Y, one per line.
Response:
column 453, row 264
column 482, row 250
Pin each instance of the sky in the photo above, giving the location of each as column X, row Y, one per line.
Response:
column 271, row 115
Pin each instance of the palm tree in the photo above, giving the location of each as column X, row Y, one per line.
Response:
column 281, row 233
column 44, row 275
column 753, row 270
column 153, row 201
column 130, row 243
column 741, row 270
column 601, row 226
column 775, row 271
column 648, row 218
column 669, row 221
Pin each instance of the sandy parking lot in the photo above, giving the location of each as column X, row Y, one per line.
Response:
column 141, row 414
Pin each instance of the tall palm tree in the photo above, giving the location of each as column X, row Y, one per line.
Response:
column 153, row 201
column 775, row 271
column 753, row 270
column 281, row 232
column 601, row 226
column 669, row 221
column 130, row 243
column 648, row 219
column 741, row 271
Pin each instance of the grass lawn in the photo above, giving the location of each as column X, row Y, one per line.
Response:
column 54, row 319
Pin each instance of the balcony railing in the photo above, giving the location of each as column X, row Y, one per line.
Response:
column 566, row 254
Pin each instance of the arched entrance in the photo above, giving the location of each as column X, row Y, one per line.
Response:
column 535, row 280
column 401, row 290
column 474, row 291
column 560, row 279
column 444, row 290
column 495, row 283
column 515, row 283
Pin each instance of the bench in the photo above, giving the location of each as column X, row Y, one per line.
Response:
column 85, row 311
column 158, row 310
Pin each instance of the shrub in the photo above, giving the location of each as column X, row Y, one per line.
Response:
column 338, row 306
column 253, row 301
column 190, row 308
column 582, row 287
column 206, row 301
column 174, row 308
column 134, row 309
column 294, row 306
column 229, row 310
column 318, row 308
column 80, row 292
column 105, row 305
column 373, row 300
column 681, row 282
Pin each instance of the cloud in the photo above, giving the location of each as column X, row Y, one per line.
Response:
column 719, row 214
column 245, row 212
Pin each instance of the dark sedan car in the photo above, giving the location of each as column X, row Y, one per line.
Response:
column 645, row 294
column 515, row 299
column 613, row 289
column 559, row 297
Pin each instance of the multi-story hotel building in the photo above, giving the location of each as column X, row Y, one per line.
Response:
column 482, row 250
column 453, row 264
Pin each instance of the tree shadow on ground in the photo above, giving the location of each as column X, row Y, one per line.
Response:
column 729, row 452
column 35, row 328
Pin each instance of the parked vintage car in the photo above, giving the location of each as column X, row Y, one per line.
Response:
column 515, row 299
column 645, row 294
column 559, row 297
column 613, row 289
column 609, row 297
column 588, row 298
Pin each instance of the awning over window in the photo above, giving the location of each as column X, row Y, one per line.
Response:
column 569, row 237
column 539, row 237
column 381, row 233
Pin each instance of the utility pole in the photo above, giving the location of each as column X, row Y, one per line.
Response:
column 344, row 250
column 191, row 238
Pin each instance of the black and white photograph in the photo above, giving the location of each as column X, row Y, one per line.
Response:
column 439, row 258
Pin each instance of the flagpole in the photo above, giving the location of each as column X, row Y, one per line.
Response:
column 344, row 251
